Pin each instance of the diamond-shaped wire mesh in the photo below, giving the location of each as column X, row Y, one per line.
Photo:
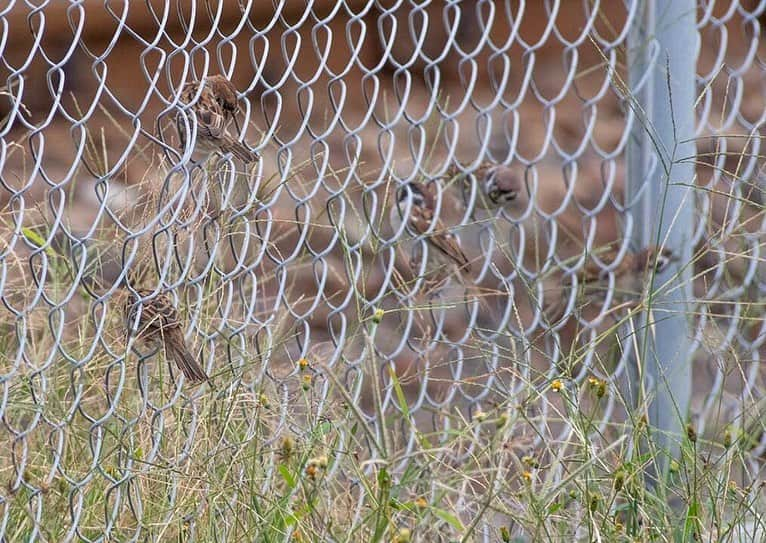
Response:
column 292, row 285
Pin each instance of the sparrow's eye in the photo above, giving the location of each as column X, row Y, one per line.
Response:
column 494, row 195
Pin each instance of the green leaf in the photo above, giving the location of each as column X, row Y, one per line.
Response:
column 39, row 241
column 290, row 519
column 692, row 519
column 404, row 406
column 287, row 476
column 449, row 518
column 400, row 397
column 384, row 479
column 323, row 429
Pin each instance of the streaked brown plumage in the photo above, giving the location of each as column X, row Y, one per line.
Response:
column 498, row 186
column 160, row 325
column 630, row 275
column 501, row 185
column 445, row 257
column 631, row 278
column 215, row 109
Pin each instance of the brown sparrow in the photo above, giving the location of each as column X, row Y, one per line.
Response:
column 159, row 324
column 497, row 186
column 444, row 257
column 632, row 277
column 214, row 110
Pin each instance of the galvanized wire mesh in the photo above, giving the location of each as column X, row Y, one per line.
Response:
column 292, row 258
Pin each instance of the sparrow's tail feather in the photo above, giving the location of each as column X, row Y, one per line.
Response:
column 187, row 363
column 238, row 149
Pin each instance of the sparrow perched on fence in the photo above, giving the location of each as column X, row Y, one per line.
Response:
column 497, row 186
column 159, row 324
column 215, row 109
column 632, row 274
column 501, row 186
column 444, row 257
column 527, row 232
column 632, row 277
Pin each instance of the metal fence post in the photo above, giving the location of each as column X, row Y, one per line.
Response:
column 661, row 170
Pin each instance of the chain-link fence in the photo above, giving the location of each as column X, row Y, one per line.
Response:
column 597, row 249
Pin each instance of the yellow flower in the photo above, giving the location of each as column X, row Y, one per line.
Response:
column 288, row 444
column 599, row 385
column 502, row 420
column 619, row 480
column 403, row 535
column 530, row 461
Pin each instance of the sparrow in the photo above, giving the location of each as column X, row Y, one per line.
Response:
column 632, row 277
column 214, row 110
column 160, row 325
column 444, row 257
column 498, row 186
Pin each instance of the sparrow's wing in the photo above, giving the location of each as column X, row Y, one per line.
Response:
column 211, row 118
column 165, row 311
column 158, row 312
column 592, row 271
column 632, row 271
column 227, row 144
column 440, row 238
